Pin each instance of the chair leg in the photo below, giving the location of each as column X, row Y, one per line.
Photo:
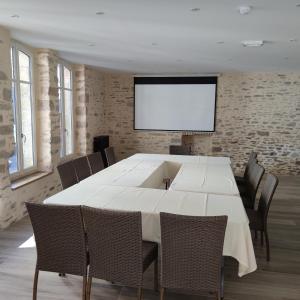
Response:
column 88, row 288
column 35, row 284
column 156, row 275
column 140, row 293
column 162, row 293
column 84, row 288
column 267, row 245
column 262, row 238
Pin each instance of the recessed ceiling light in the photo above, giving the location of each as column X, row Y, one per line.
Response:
column 99, row 13
column 91, row 45
column 244, row 10
column 195, row 9
column 154, row 44
column 15, row 16
column 220, row 42
column 251, row 43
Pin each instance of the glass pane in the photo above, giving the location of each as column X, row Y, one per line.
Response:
column 68, row 122
column 13, row 160
column 27, row 126
column 61, row 119
column 58, row 75
column 12, row 63
column 67, row 78
column 24, row 66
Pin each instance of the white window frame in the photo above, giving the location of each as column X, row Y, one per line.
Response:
column 15, row 47
column 62, row 88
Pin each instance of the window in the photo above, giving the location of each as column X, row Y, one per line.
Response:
column 64, row 75
column 23, row 159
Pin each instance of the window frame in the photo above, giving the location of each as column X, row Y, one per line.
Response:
column 61, row 98
column 15, row 47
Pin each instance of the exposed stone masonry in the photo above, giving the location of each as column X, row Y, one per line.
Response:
column 255, row 111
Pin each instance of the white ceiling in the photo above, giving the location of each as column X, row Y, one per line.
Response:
column 161, row 36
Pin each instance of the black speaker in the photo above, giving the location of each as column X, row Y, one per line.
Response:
column 100, row 143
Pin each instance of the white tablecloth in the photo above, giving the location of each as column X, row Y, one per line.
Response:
column 202, row 186
column 205, row 178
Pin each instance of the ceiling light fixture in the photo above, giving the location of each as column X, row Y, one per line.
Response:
column 220, row 42
column 195, row 9
column 99, row 13
column 154, row 44
column 253, row 43
column 91, row 45
column 15, row 16
column 293, row 40
column 244, row 10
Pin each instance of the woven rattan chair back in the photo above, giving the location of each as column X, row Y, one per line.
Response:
column 267, row 193
column 192, row 250
column 82, row 167
column 67, row 174
column 180, row 150
column 60, row 238
column 96, row 162
column 115, row 245
column 110, row 156
column 256, row 173
column 252, row 160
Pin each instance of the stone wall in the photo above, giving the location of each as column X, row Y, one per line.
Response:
column 255, row 111
column 47, row 120
column 89, row 109
column 6, row 129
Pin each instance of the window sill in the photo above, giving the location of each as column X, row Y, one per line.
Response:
column 18, row 183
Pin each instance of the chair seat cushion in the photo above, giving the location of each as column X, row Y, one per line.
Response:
column 240, row 180
column 255, row 219
column 247, row 202
column 150, row 252
column 242, row 189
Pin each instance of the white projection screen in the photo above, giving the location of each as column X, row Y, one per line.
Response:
column 175, row 103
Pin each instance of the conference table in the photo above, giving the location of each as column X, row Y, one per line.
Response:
column 200, row 186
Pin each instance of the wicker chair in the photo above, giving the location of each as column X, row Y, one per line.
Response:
column 67, row 174
column 248, row 195
column 259, row 218
column 96, row 162
column 192, row 250
column 117, row 252
column 252, row 159
column 60, row 241
column 110, row 155
column 82, row 167
column 180, row 150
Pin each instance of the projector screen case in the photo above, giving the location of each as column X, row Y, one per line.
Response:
column 181, row 104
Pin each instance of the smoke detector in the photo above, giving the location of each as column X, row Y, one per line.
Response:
column 253, row 43
column 244, row 10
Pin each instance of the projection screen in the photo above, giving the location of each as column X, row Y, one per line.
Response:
column 175, row 103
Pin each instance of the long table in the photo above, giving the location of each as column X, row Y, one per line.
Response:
column 136, row 184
